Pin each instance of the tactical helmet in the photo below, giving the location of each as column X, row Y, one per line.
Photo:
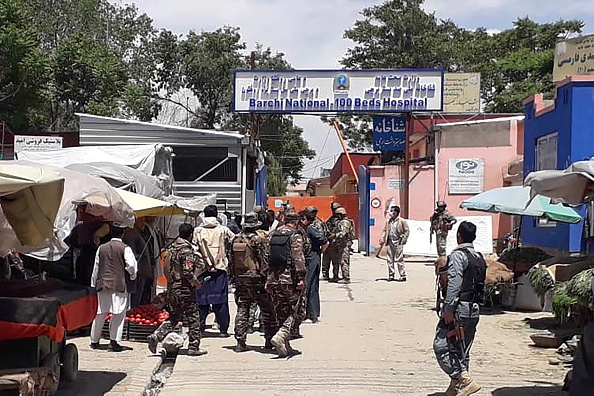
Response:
column 335, row 205
column 441, row 204
column 311, row 210
column 340, row 211
column 251, row 220
column 291, row 215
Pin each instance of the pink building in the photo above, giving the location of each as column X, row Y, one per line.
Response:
column 494, row 143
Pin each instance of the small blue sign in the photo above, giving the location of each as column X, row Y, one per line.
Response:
column 389, row 133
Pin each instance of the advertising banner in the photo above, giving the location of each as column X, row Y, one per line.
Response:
column 574, row 57
column 389, row 133
column 462, row 93
column 466, row 175
column 338, row 91
column 36, row 143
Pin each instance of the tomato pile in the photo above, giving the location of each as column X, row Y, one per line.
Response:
column 145, row 315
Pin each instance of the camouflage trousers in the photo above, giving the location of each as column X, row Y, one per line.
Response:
column 340, row 258
column 440, row 240
column 289, row 307
column 181, row 301
column 245, row 296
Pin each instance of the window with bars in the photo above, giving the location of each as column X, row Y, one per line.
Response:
column 546, row 152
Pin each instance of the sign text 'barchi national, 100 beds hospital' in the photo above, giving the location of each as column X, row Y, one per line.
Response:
column 338, row 91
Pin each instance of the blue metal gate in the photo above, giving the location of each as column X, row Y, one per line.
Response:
column 364, row 239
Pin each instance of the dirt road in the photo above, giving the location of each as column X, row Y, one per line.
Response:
column 374, row 337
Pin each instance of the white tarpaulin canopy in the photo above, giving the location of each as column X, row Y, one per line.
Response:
column 141, row 157
column 122, row 176
column 570, row 185
column 96, row 196
column 146, row 206
column 30, row 197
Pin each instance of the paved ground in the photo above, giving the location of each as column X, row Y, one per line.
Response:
column 374, row 337
column 117, row 374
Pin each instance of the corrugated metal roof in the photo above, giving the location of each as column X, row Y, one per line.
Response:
column 98, row 130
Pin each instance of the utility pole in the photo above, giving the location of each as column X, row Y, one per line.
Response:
column 253, row 118
column 406, row 173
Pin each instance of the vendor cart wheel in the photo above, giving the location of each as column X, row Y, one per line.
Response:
column 69, row 363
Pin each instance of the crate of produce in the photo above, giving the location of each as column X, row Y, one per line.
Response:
column 143, row 321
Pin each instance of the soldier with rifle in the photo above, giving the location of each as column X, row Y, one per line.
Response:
column 286, row 281
column 442, row 222
column 462, row 284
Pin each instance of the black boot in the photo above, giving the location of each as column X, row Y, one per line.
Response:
column 115, row 347
column 241, row 346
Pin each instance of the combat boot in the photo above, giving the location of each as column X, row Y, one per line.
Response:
column 195, row 351
column 452, row 389
column 268, row 345
column 152, row 343
column 279, row 341
column 240, row 347
column 466, row 385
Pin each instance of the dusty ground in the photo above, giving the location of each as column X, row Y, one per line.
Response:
column 374, row 337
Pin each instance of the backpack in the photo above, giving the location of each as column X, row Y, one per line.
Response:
column 280, row 248
column 243, row 255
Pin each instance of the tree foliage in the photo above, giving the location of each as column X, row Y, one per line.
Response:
column 24, row 68
column 514, row 63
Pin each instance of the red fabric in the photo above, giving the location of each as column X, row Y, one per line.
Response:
column 16, row 331
column 78, row 313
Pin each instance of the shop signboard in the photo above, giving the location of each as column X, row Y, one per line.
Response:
column 389, row 133
column 466, row 175
column 338, row 91
column 574, row 57
column 462, row 93
column 37, row 143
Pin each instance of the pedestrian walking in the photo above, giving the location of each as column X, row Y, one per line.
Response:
column 286, row 280
column 214, row 239
column 463, row 282
column 442, row 222
column 113, row 261
column 315, row 230
column 395, row 235
column 249, row 267
column 332, row 253
column 342, row 239
column 183, row 268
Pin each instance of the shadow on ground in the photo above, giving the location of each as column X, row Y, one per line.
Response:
column 529, row 391
column 91, row 383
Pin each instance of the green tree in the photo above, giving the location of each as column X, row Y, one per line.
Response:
column 513, row 64
column 24, row 69
column 103, row 60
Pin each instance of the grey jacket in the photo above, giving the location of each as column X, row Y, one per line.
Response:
column 457, row 265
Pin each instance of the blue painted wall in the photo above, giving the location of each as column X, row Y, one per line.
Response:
column 573, row 120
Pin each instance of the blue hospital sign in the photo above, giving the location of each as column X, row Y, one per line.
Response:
column 337, row 91
column 389, row 133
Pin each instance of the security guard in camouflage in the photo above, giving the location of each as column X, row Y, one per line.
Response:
column 343, row 238
column 185, row 265
column 332, row 253
column 442, row 222
column 248, row 265
column 286, row 284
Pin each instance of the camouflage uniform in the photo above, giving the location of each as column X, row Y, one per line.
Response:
column 344, row 239
column 441, row 223
column 186, row 265
column 250, row 288
column 282, row 283
column 332, row 254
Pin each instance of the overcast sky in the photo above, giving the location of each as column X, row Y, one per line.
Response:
column 309, row 32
